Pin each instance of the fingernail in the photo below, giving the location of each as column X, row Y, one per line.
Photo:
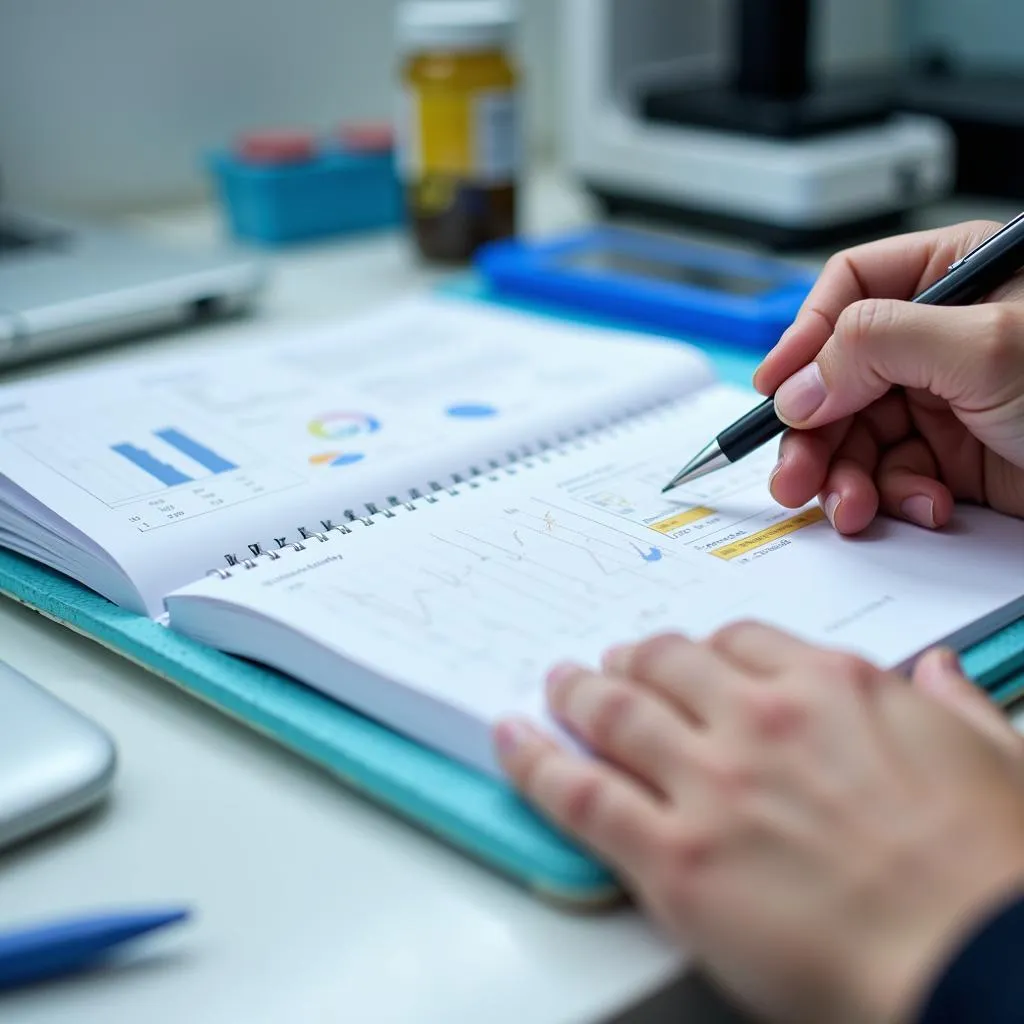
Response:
column 774, row 472
column 920, row 509
column 616, row 658
column 510, row 736
column 799, row 397
column 931, row 678
column 938, row 677
column 941, row 671
column 831, row 504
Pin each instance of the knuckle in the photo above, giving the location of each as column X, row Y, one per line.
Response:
column 848, row 669
column 581, row 802
column 773, row 714
column 972, row 233
column 1003, row 338
column 685, row 850
column 529, row 769
column 864, row 319
column 613, row 712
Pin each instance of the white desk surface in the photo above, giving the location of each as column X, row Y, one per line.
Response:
column 312, row 905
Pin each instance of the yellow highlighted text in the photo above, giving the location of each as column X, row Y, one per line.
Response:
column 691, row 515
column 756, row 540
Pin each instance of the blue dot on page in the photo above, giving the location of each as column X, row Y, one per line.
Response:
column 471, row 412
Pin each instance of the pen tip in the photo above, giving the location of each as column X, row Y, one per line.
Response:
column 707, row 460
column 162, row 918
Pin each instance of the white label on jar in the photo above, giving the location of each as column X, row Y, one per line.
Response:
column 496, row 136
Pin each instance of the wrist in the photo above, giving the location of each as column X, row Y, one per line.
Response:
column 983, row 980
column 903, row 978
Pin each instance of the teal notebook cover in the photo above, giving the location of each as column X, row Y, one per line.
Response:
column 472, row 812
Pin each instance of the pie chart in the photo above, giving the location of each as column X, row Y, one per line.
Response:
column 333, row 426
column 336, row 458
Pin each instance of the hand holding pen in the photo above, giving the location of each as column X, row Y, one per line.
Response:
column 900, row 407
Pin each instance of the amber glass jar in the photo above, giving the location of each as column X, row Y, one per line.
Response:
column 458, row 128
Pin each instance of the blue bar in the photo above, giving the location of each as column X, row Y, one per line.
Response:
column 167, row 475
column 194, row 450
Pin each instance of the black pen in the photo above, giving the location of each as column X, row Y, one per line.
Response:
column 971, row 278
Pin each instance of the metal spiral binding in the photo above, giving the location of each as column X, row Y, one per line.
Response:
column 527, row 457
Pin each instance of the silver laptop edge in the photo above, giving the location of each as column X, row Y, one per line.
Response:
column 81, row 285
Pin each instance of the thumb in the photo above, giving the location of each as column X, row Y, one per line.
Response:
column 938, row 674
column 965, row 355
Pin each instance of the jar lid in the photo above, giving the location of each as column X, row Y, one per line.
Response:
column 367, row 137
column 455, row 24
column 276, row 147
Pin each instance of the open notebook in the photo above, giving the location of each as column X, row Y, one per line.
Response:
column 419, row 512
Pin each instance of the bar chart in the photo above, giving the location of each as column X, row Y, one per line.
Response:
column 157, row 475
column 166, row 473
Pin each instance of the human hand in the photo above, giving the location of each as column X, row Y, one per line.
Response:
column 818, row 834
column 952, row 428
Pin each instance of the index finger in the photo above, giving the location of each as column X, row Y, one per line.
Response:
column 615, row 815
column 892, row 268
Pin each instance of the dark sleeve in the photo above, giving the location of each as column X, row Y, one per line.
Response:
column 984, row 984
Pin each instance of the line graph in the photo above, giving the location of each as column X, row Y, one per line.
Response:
column 611, row 550
column 524, row 584
column 466, row 622
column 493, row 589
column 516, row 565
column 546, row 577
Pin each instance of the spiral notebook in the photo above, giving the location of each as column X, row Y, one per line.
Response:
column 423, row 553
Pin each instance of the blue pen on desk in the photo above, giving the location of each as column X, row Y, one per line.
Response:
column 62, row 947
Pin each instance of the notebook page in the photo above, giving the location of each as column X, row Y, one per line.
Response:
column 471, row 600
column 169, row 467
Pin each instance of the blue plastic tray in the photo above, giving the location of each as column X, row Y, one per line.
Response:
column 336, row 193
column 643, row 280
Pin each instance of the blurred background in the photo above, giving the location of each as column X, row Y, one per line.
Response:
column 107, row 104
column 787, row 128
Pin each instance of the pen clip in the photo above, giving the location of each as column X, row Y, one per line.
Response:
column 987, row 241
